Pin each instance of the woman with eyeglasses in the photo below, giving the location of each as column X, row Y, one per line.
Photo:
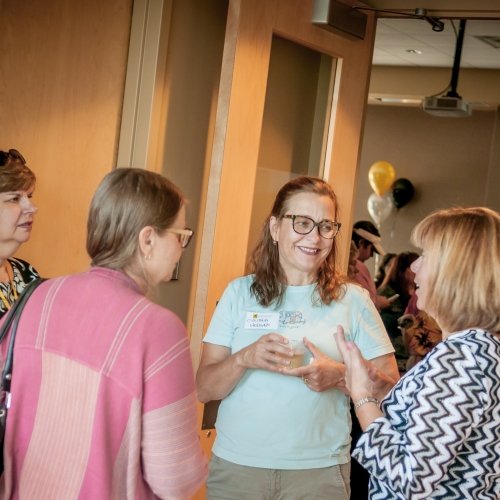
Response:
column 282, row 430
column 17, row 211
column 103, row 398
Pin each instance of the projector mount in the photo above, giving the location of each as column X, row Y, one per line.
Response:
column 419, row 13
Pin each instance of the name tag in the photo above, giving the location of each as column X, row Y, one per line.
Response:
column 262, row 321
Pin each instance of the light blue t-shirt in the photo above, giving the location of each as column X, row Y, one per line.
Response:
column 275, row 421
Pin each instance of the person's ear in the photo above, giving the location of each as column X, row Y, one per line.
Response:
column 273, row 227
column 147, row 237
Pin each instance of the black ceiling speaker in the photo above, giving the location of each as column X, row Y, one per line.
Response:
column 339, row 17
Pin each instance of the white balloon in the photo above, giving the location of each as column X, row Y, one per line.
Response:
column 379, row 207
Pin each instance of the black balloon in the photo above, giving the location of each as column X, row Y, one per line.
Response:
column 402, row 192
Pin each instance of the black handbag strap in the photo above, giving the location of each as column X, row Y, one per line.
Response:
column 12, row 320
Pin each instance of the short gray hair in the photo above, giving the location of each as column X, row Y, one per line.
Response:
column 126, row 201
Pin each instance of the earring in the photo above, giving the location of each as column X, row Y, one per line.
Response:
column 275, row 242
column 147, row 257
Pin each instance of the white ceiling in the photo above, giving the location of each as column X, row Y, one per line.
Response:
column 411, row 42
column 396, row 33
column 397, row 36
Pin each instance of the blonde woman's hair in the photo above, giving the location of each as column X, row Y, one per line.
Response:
column 462, row 255
column 126, row 201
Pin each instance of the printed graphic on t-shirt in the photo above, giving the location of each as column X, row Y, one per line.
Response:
column 291, row 319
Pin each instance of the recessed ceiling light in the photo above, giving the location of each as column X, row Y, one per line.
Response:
column 413, row 51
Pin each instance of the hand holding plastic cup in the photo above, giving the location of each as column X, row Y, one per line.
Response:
column 299, row 353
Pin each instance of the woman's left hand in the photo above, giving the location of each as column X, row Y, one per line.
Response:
column 322, row 373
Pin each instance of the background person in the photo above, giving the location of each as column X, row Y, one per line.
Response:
column 103, row 397
column 17, row 211
column 383, row 268
column 278, row 433
column 446, row 446
column 398, row 286
column 421, row 334
column 367, row 239
column 359, row 477
column 353, row 256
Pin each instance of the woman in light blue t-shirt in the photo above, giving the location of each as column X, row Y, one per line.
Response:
column 283, row 432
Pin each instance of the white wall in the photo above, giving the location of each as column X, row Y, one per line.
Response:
column 450, row 161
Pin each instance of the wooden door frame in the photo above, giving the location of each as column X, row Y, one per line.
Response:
column 250, row 27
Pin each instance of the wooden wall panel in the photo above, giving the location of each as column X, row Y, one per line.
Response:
column 62, row 70
column 234, row 155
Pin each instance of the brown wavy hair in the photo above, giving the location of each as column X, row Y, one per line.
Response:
column 396, row 278
column 15, row 175
column 269, row 283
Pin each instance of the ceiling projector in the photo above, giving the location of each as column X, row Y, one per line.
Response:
column 446, row 106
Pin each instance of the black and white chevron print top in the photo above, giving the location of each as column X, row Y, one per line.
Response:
column 440, row 434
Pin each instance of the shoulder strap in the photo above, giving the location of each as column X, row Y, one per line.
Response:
column 13, row 319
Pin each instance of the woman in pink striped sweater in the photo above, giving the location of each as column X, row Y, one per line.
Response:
column 103, row 397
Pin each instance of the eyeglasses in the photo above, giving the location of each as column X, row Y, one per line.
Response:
column 304, row 225
column 184, row 235
column 13, row 154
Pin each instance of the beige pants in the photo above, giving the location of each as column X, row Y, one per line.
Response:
column 229, row 481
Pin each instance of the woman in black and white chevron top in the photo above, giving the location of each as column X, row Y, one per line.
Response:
column 436, row 433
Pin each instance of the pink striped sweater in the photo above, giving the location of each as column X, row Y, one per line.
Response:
column 103, row 398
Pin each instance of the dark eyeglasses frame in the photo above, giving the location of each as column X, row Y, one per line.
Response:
column 14, row 154
column 335, row 224
column 184, row 235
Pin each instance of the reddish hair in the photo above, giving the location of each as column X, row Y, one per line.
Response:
column 269, row 282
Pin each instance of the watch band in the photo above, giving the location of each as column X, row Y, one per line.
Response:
column 367, row 399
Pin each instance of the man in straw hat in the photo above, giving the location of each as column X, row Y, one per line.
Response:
column 367, row 239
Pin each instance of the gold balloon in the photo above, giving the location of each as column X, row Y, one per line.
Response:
column 381, row 176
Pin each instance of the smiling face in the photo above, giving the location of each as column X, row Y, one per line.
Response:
column 301, row 255
column 16, row 219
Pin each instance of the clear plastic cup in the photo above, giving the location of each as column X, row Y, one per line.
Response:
column 299, row 353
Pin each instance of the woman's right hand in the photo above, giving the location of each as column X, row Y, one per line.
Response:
column 269, row 352
column 219, row 370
